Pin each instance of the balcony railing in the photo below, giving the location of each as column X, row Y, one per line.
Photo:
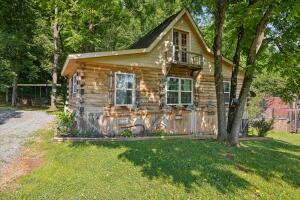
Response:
column 187, row 58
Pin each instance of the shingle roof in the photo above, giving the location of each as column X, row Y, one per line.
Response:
column 146, row 40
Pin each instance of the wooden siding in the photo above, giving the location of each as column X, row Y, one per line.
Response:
column 98, row 94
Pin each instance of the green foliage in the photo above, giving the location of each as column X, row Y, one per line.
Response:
column 65, row 125
column 262, row 126
column 126, row 133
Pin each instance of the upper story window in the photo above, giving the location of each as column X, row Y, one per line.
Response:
column 124, row 89
column 180, row 42
column 226, row 91
column 175, row 38
column 74, row 83
column 179, row 91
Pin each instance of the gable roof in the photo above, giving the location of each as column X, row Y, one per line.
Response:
column 144, row 44
column 150, row 37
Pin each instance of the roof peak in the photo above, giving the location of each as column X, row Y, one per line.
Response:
column 146, row 40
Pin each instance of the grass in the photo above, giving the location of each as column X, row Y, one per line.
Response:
column 164, row 169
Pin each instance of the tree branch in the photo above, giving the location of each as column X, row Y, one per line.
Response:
column 259, row 35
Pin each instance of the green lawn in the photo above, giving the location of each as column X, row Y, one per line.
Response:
column 164, row 169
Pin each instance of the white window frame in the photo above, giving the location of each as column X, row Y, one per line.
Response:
column 179, row 91
column 133, row 89
column 74, row 83
column 227, row 103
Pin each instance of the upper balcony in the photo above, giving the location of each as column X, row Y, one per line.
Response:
column 190, row 59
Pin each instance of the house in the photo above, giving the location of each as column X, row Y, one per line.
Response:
column 164, row 81
column 286, row 116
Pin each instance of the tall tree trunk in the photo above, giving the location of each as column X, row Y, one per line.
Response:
column 249, row 74
column 234, row 74
column 14, row 92
column 56, row 30
column 233, row 85
column 221, row 112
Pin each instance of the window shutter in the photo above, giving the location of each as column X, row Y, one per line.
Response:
column 70, row 89
column 111, row 88
column 137, row 91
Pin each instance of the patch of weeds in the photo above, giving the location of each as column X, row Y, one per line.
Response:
column 66, row 124
column 162, row 133
column 126, row 133
column 262, row 126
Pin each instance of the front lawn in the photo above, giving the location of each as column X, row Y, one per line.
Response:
column 164, row 169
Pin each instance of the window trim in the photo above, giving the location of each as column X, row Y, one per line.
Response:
column 180, row 91
column 133, row 89
column 227, row 103
column 74, row 83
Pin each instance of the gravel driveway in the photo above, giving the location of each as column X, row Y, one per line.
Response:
column 16, row 127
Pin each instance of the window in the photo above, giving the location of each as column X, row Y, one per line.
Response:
column 179, row 91
column 175, row 38
column 124, row 89
column 180, row 42
column 183, row 47
column 176, row 44
column 226, row 91
column 74, row 83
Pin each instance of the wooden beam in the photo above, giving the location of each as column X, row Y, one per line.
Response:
column 36, row 85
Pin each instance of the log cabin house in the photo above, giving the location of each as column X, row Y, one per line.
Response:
column 164, row 81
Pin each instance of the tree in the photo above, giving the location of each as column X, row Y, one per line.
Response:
column 259, row 25
column 249, row 75
column 56, row 52
column 16, row 37
column 221, row 112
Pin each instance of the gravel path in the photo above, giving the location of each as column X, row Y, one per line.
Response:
column 16, row 127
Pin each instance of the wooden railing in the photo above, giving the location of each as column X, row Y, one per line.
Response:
column 183, row 57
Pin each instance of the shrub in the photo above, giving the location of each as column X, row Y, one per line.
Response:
column 66, row 124
column 262, row 126
column 126, row 133
column 161, row 133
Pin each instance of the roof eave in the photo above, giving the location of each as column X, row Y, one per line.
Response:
column 100, row 54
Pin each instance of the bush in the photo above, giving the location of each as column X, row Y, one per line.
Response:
column 161, row 133
column 66, row 123
column 126, row 133
column 262, row 126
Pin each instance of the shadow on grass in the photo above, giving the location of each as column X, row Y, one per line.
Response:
column 272, row 159
column 194, row 163
column 184, row 162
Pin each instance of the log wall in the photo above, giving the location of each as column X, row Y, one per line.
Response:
column 148, row 114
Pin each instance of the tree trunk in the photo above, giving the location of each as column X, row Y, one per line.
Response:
column 233, row 85
column 221, row 112
column 55, row 61
column 14, row 92
column 6, row 95
column 249, row 74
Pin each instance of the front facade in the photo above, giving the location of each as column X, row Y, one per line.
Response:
column 163, row 82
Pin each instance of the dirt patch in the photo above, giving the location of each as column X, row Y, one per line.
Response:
column 29, row 160
column 229, row 156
